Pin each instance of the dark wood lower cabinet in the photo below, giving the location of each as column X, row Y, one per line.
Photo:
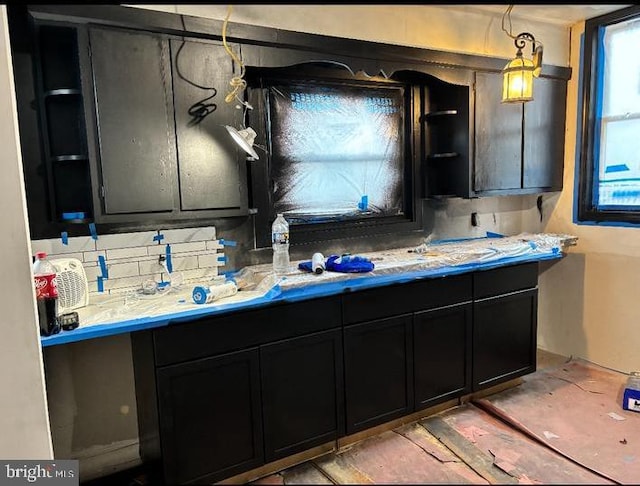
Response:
column 302, row 393
column 441, row 354
column 225, row 394
column 378, row 372
column 504, row 337
column 210, row 417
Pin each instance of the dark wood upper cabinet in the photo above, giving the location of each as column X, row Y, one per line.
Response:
column 134, row 112
column 498, row 140
column 515, row 148
column 160, row 116
column 544, row 133
column 208, row 159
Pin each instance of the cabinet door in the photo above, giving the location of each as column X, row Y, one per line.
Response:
column 504, row 337
column 442, row 354
column 210, row 421
column 208, row 159
column 302, row 393
column 498, row 137
column 544, row 125
column 378, row 372
column 134, row 115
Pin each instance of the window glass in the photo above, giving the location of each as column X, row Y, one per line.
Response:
column 337, row 151
column 618, row 168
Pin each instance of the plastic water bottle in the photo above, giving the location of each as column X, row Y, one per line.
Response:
column 280, row 242
column 44, row 274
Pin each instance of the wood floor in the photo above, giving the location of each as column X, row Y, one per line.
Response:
column 563, row 425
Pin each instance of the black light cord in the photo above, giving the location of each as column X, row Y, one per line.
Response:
column 200, row 109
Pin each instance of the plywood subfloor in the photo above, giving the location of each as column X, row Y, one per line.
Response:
column 564, row 425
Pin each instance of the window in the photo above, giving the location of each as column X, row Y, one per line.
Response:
column 337, row 151
column 609, row 185
column 341, row 159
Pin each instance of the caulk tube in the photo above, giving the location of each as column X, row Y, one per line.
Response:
column 317, row 263
column 206, row 295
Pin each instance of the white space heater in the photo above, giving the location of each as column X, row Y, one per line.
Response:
column 73, row 288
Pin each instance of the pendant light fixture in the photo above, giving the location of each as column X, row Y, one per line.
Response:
column 518, row 74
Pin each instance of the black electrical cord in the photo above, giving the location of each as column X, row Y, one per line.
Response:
column 200, row 109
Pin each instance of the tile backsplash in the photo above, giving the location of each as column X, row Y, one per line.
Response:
column 132, row 258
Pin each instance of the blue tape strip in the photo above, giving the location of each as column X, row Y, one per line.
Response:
column 103, row 267
column 494, row 235
column 167, row 253
column 92, row 229
column 222, row 259
column 65, row 238
column 364, row 203
column 276, row 294
column 159, row 237
column 72, row 216
column 100, row 284
column 224, row 242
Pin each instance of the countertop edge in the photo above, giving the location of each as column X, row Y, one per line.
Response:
column 293, row 295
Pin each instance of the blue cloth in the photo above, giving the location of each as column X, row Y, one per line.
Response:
column 343, row 264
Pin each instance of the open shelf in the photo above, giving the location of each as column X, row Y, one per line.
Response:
column 436, row 114
column 63, row 92
column 67, row 158
column 444, row 155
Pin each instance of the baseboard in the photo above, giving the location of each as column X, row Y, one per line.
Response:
column 103, row 460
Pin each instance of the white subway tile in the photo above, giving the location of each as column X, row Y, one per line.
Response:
column 157, row 249
column 183, row 247
column 127, row 253
column 179, row 264
column 118, row 283
column 54, row 246
column 214, row 245
column 150, row 266
column 125, row 240
column 120, row 270
column 92, row 274
column 92, row 256
column 186, row 235
column 77, row 256
column 210, row 260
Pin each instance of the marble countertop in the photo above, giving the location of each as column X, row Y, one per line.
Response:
column 117, row 314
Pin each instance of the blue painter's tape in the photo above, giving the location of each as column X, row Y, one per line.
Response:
column 103, row 267
column 276, row 294
column 494, row 235
column 65, row 238
column 92, row 229
column 364, row 203
column 224, row 242
column 159, row 237
column 167, row 253
column 70, row 216
column 616, row 168
column 100, row 284
column 222, row 259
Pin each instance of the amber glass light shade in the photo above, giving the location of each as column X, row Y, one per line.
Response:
column 517, row 84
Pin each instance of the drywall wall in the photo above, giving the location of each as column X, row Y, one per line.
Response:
column 24, row 420
column 588, row 301
column 90, row 422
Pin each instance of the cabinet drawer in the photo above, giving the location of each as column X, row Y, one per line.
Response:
column 488, row 283
column 220, row 334
column 367, row 305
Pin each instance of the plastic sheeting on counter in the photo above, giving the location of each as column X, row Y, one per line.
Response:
column 260, row 287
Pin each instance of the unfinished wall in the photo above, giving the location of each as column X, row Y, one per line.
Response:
column 97, row 420
column 24, row 423
column 588, row 301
